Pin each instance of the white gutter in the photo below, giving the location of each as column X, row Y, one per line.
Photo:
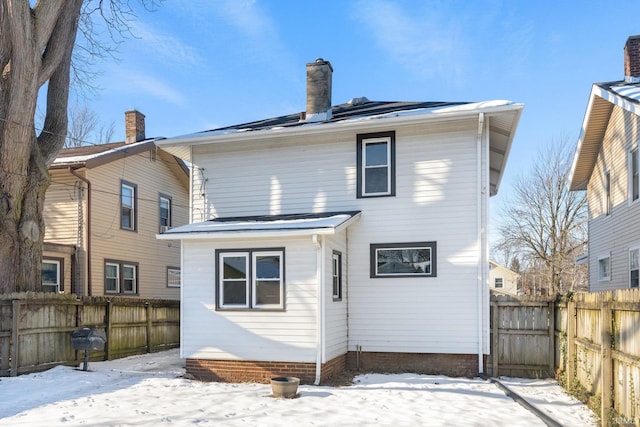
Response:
column 320, row 307
column 244, row 234
column 371, row 122
column 480, row 239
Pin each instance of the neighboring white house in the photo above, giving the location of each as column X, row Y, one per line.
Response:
column 503, row 280
column 346, row 236
column 606, row 165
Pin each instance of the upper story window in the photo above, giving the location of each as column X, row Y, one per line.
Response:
column 634, row 178
column 128, row 206
column 165, row 212
column 498, row 282
column 376, row 164
column 607, row 193
column 250, row 279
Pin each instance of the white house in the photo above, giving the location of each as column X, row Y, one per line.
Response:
column 502, row 280
column 346, row 236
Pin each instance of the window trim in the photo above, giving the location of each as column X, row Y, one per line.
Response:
column 169, row 199
column 602, row 278
column 120, row 278
column 631, row 249
column 369, row 138
column 250, row 282
column 336, row 275
column 607, row 193
column 174, row 269
column 60, row 273
column 134, row 208
column 634, row 151
column 373, row 259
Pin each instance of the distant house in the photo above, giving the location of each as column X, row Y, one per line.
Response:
column 606, row 165
column 102, row 211
column 351, row 235
column 503, row 280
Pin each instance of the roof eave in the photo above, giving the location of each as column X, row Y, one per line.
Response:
column 253, row 234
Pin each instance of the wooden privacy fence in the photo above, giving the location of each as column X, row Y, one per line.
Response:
column 35, row 329
column 589, row 341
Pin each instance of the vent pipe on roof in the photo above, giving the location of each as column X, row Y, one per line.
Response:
column 632, row 60
column 319, row 75
column 134, row 126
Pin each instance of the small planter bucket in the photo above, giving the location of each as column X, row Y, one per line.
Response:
column 286, row 387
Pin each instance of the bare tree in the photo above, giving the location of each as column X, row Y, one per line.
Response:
column 85, row 128
column 36, row 47
column 544, row 220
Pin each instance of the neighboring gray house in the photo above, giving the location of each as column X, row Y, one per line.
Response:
column 344, row 236
column 607, row 165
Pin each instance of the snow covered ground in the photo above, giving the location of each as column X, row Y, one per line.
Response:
column 149, row 391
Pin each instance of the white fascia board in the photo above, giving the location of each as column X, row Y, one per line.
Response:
column 247, row 234
column 595, row 91
column 409, row 117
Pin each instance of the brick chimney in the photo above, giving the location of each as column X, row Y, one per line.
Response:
column 134, row 126
column 632, row 60
column 319, row 75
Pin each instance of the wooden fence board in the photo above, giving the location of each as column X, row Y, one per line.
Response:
column 35, row 329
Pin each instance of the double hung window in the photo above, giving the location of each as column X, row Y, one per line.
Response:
column 634, row 178
column 634, row 268
column 120, row 277
column 165, row 213
column 376, row 165
column 250, row 279
column 52, row 275
column 128, row 206
column 336, row 275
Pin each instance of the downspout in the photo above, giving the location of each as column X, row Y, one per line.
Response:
column 320, row 308
column 479, row 295
column 86, row 181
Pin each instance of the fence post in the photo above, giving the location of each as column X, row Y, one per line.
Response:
column 571, row 345
column 552, row 336
column 607, row 368
column 108, row 315
column 149, row 325
column 15, row 336
column 495, row 342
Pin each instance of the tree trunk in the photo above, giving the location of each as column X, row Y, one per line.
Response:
column 35, row 48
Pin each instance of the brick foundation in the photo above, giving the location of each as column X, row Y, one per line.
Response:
column 454, row 365
column 262, row 372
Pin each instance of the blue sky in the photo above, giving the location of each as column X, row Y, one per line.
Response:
column 201, row 64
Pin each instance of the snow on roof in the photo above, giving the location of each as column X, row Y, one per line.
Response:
column 292, row 224
column 98, row 151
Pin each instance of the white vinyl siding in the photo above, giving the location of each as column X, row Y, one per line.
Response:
column 436, row 200
column 621, row 231
column 283, row 335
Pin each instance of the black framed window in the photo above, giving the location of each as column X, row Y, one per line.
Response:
column 416, row 259
column 336, row 275
column 376, row 158
column 250, row 279
column 128, row 206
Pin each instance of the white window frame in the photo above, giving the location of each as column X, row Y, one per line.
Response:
column 250, row 281
column 255, row 278
column 117, row 277
column 363, row 142
column 632, row 267
column 601, row 274
column 634, row 152
column 134, row 279
column 56, row 285
column 174, row 277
